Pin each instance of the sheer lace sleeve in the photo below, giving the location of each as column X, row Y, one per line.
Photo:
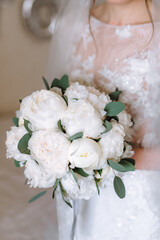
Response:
column 124, row 60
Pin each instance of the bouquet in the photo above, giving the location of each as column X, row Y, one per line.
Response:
column 70, row 138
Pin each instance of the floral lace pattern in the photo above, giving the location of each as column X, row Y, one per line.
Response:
column 124, row 60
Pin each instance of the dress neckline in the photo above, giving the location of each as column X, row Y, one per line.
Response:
column 122, row 26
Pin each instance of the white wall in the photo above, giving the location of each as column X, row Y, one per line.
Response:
column 23, row 58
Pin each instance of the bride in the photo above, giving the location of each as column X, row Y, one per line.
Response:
column 116, row 48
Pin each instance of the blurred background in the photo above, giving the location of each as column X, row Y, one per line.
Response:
column 25, row 34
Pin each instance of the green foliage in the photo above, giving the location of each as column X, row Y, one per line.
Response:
column 97, row 186
column 16, row 121
column 16, row 163
column 81, row 172
column 122, row 166
column 108, row 126
column 74, row 176
column 114, row 96
column 119, row 187
column 100, row 171
column 37, row 196
column 65, row 99
column 63, row 83
column 23, row 144
column 64, row 195
column 46, row 83
column 60, row 127
column 76, row 136
column 26, row 122
column 130, row 160
column 55, row 187
column 114, row 108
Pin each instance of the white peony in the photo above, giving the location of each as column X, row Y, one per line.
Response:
column 49, row 149
column 90, row 94
column 84, row 153
column 86, row 190
column 128, row 151
column 112, row 143
column 37, row 176
column 82, row 117
column 13, row 137
column 43, row 109
column 125, row 120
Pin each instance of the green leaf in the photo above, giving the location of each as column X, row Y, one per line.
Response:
column 74, row 176
column 55, row 187
column 60, row 127
column 96, row 140
column 75, row 99
column 26, row 122
column 76, row 136
column 23, row 144
column 16, row 163
column 64, row 195
column 65, row 99
column 119, row 187
column 116, row 166
column 81, row 172
column 46, row 83
column 100, row 171
column 63, row 83
column 122, row 166
column 16, row 121
column 114, row 96
column 114, row 108
column 130, row 160
column 37, row 196
column 108, row 126
column 97, row 186
column 127, row 165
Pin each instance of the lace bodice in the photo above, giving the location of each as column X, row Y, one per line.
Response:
column 119, row 57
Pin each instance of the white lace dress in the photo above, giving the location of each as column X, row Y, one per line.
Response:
column 123, row 61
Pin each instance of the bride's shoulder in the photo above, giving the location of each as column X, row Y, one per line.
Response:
column 97, row 11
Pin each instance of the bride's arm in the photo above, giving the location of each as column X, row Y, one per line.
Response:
column 147, row 158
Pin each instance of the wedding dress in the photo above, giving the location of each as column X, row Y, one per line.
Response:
column 123, row 60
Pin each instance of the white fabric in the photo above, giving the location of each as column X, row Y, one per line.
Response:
column 124, row 60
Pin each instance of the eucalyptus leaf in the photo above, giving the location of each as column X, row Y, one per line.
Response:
column 108, row 126
column 76, row 136
column 100, row 171
column 81, row 172
column 26, row 122
column 127, row 165
column 63, row 83
column 46, row 83
column 130, row 160
column 96, row 140
column 16, row 163
column 114, row 96
column 75, row 99
column 97, row 186
column 119, row 187
column 64, row 195
column 37, row 196
column 60, row 127
column 116, row 166
column 23, row 144
column 74, row 176
column 16, row 121
column 65, row 99
column 55, row 187
column 114, row 108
